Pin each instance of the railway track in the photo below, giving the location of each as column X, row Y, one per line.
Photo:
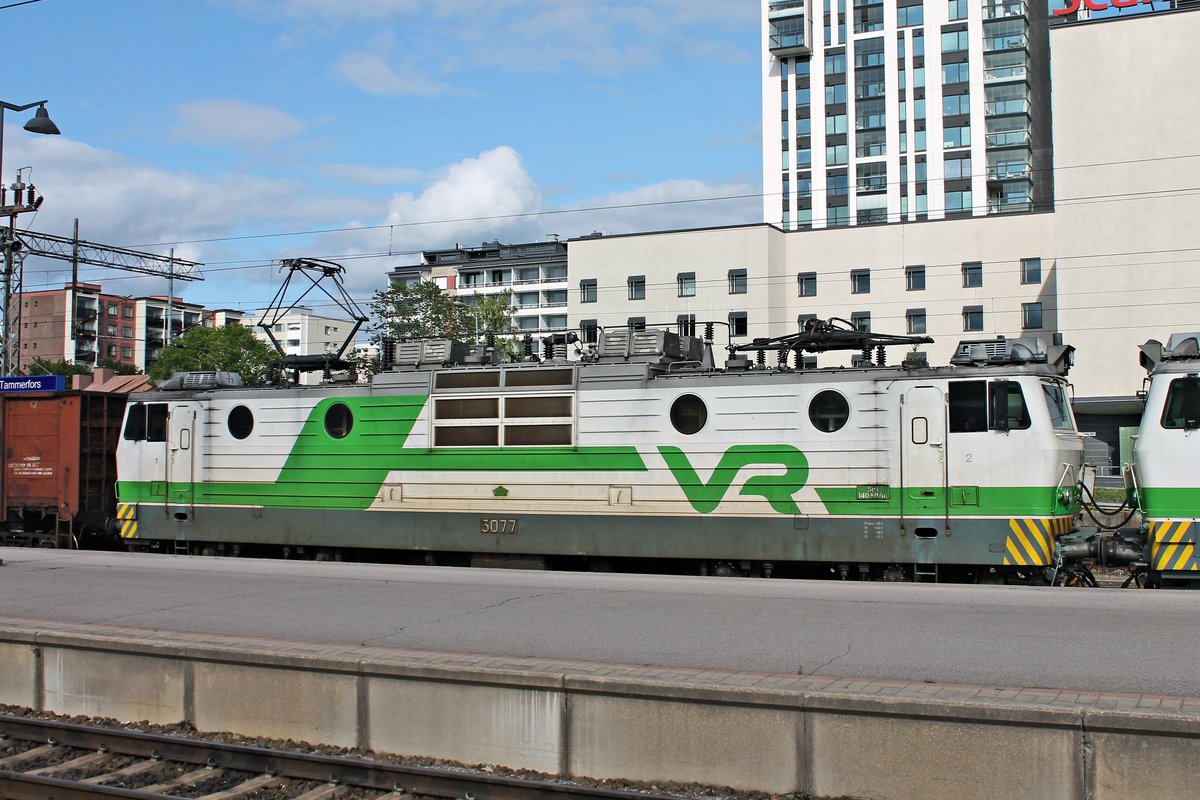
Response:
column 42, row 759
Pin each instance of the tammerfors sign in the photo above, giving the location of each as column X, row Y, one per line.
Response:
column 32, row 383
column 1074, row 5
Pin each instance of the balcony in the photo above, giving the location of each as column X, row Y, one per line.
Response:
column 992, row 44
column 1009, row 205
column 1004, row 11
column 1014, row 138
column 1017, row 72
column 1002, row 108
column 1008, row 172
column 791, row 30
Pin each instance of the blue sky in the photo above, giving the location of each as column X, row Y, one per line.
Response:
column 245, row 131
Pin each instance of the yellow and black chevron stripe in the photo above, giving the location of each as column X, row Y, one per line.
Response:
column 127, row 515
column 1030, row 540
column 1173, row 545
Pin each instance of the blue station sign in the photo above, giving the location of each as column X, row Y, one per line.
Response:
column 32, row 383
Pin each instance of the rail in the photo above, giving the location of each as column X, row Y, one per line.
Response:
column 69, row 760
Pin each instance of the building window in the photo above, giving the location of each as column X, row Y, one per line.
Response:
column 112, row 309
column 914, row 278
column 958, row 9
column 910, row 15
column 956, row 105
column 954, row 41
column 972, row 274
column 637, row 323
column 915, row 318
column 687, row 284
column 861, row 320
column 958, row 202
column 111, row 329
column 587, row 291
column 126, row 352
column 836, row 154
column 127, row 312
column 589, row 331
column 637, row 287
column 972, row 318
column 956, row 73
column 1031, row 270
column 112, row 350
column 1031, row 315
column 860, row 281
column 737, row 281
column 958, row 167
column 685, row 324
column 806, row 321
column 956, row 137
column 738, row 323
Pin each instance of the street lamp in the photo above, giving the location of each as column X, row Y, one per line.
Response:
column 41, row 123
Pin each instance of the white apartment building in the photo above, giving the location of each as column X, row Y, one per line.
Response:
column 904, row 110
column 158, row 323
column 302, row 332
column 535, row 273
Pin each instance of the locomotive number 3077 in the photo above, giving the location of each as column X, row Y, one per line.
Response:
column 494, row 525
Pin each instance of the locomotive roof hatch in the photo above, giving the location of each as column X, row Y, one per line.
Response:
column 1180, row 347
column 198, row 381
column 1002, row 351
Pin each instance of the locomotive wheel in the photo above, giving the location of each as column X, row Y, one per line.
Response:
column 323, row 555
column 208, row 551
column 722, row 569
column 894, row 574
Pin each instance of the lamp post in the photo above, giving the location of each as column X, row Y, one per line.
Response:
column 41, row 123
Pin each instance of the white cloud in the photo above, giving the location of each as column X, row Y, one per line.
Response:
column 373, row 74
column 234, row 123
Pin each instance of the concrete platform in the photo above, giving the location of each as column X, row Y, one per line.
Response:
column 767, row 732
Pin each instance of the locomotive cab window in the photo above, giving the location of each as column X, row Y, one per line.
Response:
column 828, row 411
column 968, row 407
column 1009, row 412
column 1060, row 409
column 146, row 422
column 1182, row 409
column 241, row 422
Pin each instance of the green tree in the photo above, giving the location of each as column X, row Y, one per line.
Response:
column 231, row 348
column 42, row 367
column 494, row 312
column 417, row 311
column 423, row 311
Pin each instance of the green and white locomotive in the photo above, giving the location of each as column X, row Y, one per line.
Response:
column 643, row 454
column 1165, row 454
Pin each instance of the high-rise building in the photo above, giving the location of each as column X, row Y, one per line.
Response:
column 903, row 111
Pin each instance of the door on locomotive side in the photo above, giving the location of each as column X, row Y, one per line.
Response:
column 182, row 452
column 923, row 497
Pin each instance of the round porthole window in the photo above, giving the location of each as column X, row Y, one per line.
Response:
column 338, row 421
column 828, row 411
column 688, row 414
column 241, row 422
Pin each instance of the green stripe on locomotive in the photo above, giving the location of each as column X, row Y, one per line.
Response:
column 322, row 472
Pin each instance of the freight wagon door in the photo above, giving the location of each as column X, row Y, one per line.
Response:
column 923, row 462
column 181, row 454
column 41, row 451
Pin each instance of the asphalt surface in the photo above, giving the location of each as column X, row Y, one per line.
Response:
column 1135, row 641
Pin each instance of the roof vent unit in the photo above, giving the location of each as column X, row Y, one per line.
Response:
column 199, row 381
column 651, row 345
column 439, row 352
column 980, row 352
column 1183, row 345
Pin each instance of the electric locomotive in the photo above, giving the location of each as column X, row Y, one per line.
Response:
column 645, row 453
column 1165, row 454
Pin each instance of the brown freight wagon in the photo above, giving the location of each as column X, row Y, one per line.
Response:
column 60, row 469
